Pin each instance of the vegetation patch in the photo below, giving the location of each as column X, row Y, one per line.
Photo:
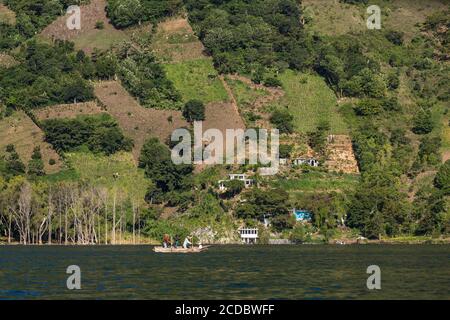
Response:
column 117, row 171
column 197, row 80
column 318, row 182
column 333, row 17
column 310, row 101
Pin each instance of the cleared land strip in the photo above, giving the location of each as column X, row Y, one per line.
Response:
column 69, row 111
column 89, row 36
column 24, row 134
column 137, row 122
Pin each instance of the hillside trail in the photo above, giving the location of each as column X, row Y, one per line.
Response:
column 230, row 94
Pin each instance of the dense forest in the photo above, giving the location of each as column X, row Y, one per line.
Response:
column 393, row 93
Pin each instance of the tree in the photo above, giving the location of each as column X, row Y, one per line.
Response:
column 125, row 13
column 442, row 179
column 194, row 110
column 379, row 206
column 156, row 160
column 14, row 166
column 423, row 122
column 234, row 187
column 285, row 151
column 260, row 203
column 318, row 138
column 36, row 165
column 283, row 121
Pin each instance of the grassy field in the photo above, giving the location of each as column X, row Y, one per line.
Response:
column 99, row 170
column 100, row 39
column 318, row 182
column 333, row 17
column 336, row 18
column 310, row 101
column 197, row 79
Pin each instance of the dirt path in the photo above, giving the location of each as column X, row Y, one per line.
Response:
column 230, row 94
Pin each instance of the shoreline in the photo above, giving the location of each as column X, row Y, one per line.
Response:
column 333, row 243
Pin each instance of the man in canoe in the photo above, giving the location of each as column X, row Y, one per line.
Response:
column 187, row 242
column 166, row 241
column 176, row 241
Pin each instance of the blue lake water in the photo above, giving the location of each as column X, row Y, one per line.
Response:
column 227, row 272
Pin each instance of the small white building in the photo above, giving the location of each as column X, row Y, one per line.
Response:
column 240, row 176
column 249, row 235
column 308, row 161
column 283, row 161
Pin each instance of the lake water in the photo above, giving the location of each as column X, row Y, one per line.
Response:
column 227, row 272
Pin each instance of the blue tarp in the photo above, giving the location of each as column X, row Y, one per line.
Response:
column 302, row 215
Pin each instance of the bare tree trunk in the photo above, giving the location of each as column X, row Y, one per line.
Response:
column 65, row 227
column 139, row 225
column 106, row 221
column 9, row 227
column 50, row 213
column 114, row 220
column 134, row 223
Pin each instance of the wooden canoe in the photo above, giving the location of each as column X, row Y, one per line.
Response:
column 179, row 250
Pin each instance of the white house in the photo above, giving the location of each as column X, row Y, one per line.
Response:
column 308, row 161
column 240, row 176
column 249, row 235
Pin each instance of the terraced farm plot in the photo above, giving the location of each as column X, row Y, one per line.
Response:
column 175, row 41
column 136, row 121
column 69, row 111
column 310, row 101
column 88, row 37
column 23, row 133
column 7, row 16
column 197, row 79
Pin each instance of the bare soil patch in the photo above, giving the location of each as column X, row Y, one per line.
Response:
column 25, row 135
column 6, row 15
column 7, row 61
column 68, row 110
column 88, row 37
column 137, row 122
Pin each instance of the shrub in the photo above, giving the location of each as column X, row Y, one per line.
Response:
column 194, row 110
column 283, row 121
column 100, row 25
